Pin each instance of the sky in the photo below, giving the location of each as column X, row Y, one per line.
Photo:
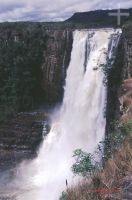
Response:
column 52, row 10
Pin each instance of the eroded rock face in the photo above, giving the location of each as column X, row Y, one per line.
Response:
column 33, row 63
column 121, row 70
column 127, row 34
column 125, row 92
column 125, row 98
column 56, row 60
column 20, row 137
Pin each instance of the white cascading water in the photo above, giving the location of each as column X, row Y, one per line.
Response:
column 80, row 123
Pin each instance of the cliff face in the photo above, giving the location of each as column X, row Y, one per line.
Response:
column 127, row 34
column 125, row 91
column 20, row 137
column 33, row 62
column 119, row 91
column 121, row 70
column 56, row 59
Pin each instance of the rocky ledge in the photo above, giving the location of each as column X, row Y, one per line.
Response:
column 20, row 137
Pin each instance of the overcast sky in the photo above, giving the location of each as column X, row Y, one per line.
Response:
column 52, row 10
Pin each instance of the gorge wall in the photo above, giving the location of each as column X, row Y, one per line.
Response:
column 118, row 107
column 33, row 62
column 56, row 60
column 127, row 34
column 121, row 70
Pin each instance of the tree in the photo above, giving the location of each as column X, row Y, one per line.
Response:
column 85, row 164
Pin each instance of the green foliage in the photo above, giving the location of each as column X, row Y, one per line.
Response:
column 114, row 139
column 21, row 57
column 85, row 164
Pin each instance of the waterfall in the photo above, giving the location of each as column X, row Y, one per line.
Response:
column 79, row 124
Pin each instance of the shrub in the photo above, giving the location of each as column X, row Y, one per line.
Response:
column 85, row 164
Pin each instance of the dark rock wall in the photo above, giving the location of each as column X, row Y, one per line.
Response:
column 114, row 77
column 20, row 137
column 56, row 59
column 127, row 34
column 121, row 70
column 23, row 132
column 33, row 62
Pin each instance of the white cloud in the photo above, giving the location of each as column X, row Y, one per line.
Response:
column 52, row 10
